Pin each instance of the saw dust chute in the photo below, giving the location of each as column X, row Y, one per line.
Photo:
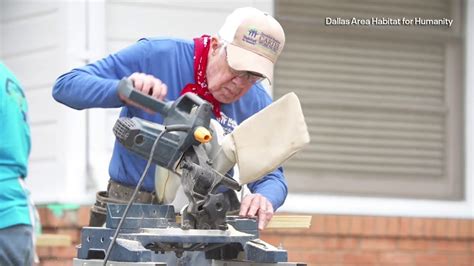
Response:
column 190, row 156
column 275, row 133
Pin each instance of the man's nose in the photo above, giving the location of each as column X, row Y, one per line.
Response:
column 241, row 81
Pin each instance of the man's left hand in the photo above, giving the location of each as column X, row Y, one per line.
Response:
column 256, row 204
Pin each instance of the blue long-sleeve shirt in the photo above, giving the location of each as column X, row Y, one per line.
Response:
column 171, row 61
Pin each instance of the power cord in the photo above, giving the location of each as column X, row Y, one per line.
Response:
column 140, row 182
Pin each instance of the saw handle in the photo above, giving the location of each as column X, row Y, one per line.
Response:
column 125, row 88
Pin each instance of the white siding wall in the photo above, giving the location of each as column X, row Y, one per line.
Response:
column 37, row 44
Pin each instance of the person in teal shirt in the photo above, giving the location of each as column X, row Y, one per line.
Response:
column 16, row 212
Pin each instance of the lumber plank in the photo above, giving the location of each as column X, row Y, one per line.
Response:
column 283, row 221
column 53, row 240
column 290, row 221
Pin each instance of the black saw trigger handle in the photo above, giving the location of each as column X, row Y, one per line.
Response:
column 125, row 88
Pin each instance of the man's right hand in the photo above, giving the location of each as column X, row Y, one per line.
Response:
column 146, row 84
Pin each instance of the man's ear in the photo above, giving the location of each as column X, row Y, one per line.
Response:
column 215, row 43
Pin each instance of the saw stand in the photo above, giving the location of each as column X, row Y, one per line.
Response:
column 150, row 235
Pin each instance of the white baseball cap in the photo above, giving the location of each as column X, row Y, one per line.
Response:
column 255, row 40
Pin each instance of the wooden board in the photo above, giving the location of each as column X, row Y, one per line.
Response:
column 53, row 240
column 290, row 221
column 283, row 221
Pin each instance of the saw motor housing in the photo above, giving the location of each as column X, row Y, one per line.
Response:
column 186, row 114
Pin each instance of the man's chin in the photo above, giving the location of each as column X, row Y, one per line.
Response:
column 224, row 99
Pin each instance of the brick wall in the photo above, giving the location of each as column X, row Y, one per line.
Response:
column 331, row 240
column 368, row 240
column 69, row 223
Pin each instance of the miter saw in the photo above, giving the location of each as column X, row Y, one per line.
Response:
column 185, row 147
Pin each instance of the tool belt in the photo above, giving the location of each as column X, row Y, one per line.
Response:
column 116, row 193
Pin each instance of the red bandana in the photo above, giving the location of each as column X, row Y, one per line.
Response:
column 201, row 52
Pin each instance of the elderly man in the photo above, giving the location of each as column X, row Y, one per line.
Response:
column 225, row 70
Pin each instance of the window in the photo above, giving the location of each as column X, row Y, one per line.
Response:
column 383, row 103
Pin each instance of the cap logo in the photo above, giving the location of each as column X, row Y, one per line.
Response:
column 252, row 33
column 269, row 42
column 251, row 36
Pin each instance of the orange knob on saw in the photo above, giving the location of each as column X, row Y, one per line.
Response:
column 202, row 135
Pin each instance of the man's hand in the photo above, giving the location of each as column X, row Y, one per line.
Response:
column 147, row 84
column 256, row 204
